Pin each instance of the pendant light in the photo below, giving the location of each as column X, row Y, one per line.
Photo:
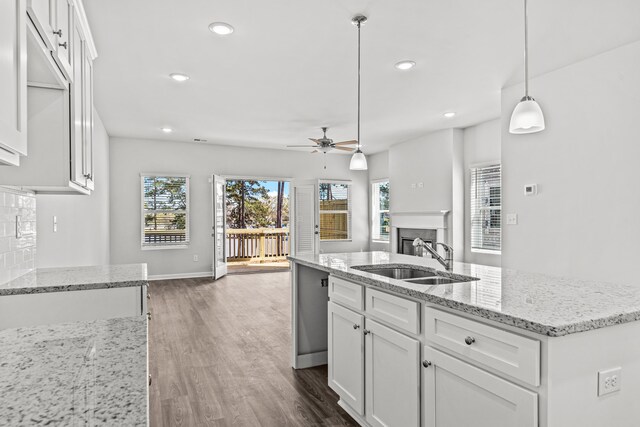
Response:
column 358, row 161
column 527, row 117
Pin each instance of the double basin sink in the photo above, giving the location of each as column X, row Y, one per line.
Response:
column 419, row 276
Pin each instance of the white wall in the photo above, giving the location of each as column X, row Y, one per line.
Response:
column 584, row 221
column 435, row 160
column 131, row 157
column 378, row 169
column 83, row 221
column 481, row 146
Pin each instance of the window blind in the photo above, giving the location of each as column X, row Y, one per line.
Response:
column 486, row 208
column 335, row 211
column 165, row 210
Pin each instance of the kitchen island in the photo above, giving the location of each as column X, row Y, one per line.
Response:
column 501, row 348
column 82, row 373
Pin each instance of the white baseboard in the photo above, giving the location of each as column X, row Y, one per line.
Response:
column 180, row 275
column 312, row 359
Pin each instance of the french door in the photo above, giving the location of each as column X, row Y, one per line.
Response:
column 218, row 186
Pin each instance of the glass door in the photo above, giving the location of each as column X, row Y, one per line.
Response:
column 219, row 227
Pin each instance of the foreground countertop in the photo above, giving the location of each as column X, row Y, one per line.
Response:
column 547, row 305
column 82, row 373
column 76, row 278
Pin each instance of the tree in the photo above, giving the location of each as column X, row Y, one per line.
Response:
column 245, row 204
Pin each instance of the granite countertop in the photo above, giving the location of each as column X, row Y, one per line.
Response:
column 83, row 373
column 76, row 279
column 547, row 305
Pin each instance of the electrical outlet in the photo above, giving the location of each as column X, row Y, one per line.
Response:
column 195, row 258
column 609, row 381
column 55, row 224
column 512, row 219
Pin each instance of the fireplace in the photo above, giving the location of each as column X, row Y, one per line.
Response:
column 406, row 236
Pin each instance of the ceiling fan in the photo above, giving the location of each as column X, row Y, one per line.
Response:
column 324, row 144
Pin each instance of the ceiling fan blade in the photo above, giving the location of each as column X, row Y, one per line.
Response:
column 353, row 141
column 305, row 146
column 344, row 148
column 316, row 141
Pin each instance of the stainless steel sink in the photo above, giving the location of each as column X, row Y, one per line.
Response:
column 403, row 273
column 438, row 280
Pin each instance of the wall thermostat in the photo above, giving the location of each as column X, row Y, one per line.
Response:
column 531, row 189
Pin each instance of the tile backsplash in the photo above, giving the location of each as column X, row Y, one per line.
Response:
column 17, row 233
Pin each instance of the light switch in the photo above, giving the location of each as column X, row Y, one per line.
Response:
column 420, row 185
column 413, row 185
column 512, row 219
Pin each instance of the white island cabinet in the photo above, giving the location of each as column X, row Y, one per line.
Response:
column 506, row 349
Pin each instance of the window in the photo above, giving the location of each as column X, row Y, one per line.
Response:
column 165, row 211
column 380, row 211
column 335, row 211
column 486, row 208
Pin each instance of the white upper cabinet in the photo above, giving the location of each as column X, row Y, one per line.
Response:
column 63, row 44
column 13, row 81
column 43, row 15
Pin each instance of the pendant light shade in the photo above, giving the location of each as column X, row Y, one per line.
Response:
column 527, row 117
column 358, row 160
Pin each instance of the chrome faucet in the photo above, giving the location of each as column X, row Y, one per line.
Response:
column 447, row 261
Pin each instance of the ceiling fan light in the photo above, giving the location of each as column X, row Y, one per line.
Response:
column 527, row 117
column 358, row 161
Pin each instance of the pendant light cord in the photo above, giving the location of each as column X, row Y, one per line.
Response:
column 359, row 24
column 526, row 52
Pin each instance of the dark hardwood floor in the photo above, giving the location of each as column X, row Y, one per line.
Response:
column 219, row 355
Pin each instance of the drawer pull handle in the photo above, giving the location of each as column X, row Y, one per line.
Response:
column 469, row 340
column 426, row 363
column 366, row 331
column 356, row 326
column 149, row 379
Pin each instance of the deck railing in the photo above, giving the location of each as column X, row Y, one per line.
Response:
column 265, row 244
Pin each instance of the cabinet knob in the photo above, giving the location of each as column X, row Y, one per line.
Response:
column 58, row 33
column 64, row 45
column 366, row 331
column 148, row 315
column 88, row 176
column 469, row 340
column 148, row 295
column 426, row 363
column 356, row 326
column 149, row 379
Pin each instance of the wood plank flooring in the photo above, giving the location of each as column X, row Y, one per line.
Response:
column 219, row 355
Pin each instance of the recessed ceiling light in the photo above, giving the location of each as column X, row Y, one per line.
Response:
column 167, row 130
column 405, row 65
column 221, row 28
column 449, row 114
column 179, row 77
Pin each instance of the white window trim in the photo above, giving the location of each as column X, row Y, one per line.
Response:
column 349, row 210
column 374, row 224
column 181, row 245
column 481, row 166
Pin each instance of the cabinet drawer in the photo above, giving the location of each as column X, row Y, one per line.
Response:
column 345, row 292
column 506, row 352
column 397, row 311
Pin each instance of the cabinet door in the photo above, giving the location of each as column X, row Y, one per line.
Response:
column 346, row 357
column 64, row 36
column 13, row 78
column 459, row 394
column 77, row 111
column 87, row 98
column 43, row 16
column 392, row 377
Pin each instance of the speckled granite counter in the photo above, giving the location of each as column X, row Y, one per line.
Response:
column 547, row 305
column 84, row 373
column 76, row 279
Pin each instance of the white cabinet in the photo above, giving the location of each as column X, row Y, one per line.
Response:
column 346, row 356
column 374, row 368
column 71, row 306
column 456, row 394
column 392, row 377
column 13, row 81
column 60, row 120
column 53, row 20
column 43, row 15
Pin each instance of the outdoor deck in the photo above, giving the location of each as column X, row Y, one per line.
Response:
column 257, row 249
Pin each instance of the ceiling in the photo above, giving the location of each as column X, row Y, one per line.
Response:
column 290, row 66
